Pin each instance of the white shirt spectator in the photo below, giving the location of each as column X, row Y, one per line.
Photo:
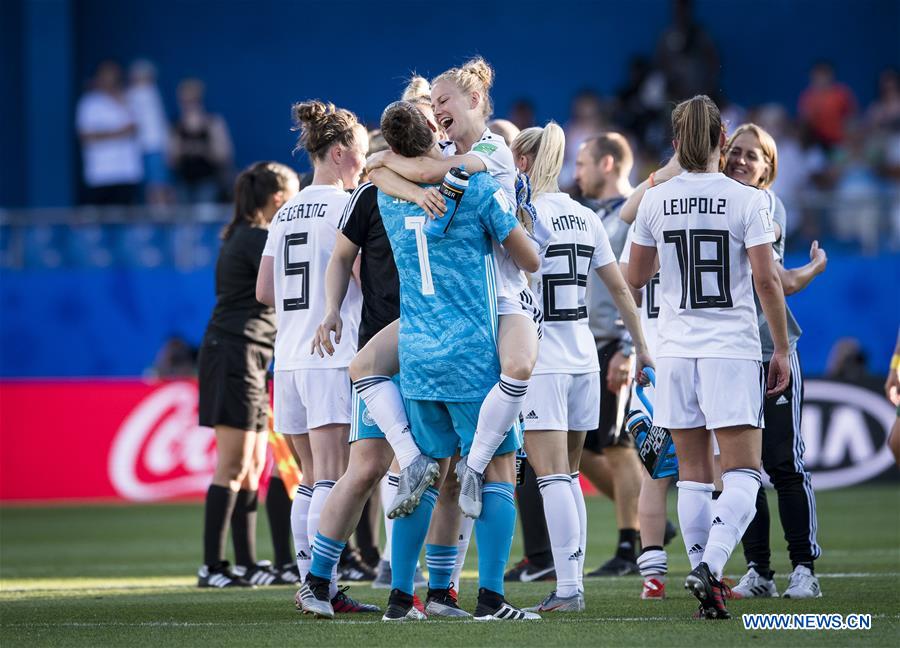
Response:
column 108, row 161
column 147, row 107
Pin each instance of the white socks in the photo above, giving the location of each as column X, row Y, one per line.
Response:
column 695, row 517
column 731, row 513
column 462, row 547
column 388, row 493
column 316, row 504
column 300, row 528
column 653, row 562
column 499, row 412
column 385, row 404
column 582, row 526
column 564, row 530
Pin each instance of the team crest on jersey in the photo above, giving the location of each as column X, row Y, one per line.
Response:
column 367, row 419
column 485, row 147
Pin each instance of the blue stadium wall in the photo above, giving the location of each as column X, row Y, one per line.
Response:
column 258, row 56
column 111, row 322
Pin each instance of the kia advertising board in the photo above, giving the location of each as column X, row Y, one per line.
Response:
column 139, row 441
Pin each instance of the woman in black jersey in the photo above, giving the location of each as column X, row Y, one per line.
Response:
column 234, row 358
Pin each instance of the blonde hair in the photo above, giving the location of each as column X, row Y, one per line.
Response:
column 545, row 147
column 697, row 126
column 321, row 125
column 766, row 144
column 417, row 91
column 475, row 75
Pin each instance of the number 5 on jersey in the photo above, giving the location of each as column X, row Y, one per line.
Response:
column 300, row 268
column 417, row 224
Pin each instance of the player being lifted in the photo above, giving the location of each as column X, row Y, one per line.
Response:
column 562, row 404
column 312, row 394
column 461, row 101
column 448, row 358
column 362, row 231
column 707, row 232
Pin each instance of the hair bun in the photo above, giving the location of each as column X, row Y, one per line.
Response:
column 312, row 112
column 418, row 89
column 481, row 69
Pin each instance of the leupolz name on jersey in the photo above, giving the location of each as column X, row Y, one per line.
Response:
column 302, row 210
column 568, row 222
column 694, row 205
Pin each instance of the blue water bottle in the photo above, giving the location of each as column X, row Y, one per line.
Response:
column 452, row 189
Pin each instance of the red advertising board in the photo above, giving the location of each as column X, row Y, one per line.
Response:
column 129, row 439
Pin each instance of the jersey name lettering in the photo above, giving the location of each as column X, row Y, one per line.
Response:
column 303, row 210
column 694, row 205
column 568, row 222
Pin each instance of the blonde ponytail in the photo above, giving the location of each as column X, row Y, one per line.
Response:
column 545, row 147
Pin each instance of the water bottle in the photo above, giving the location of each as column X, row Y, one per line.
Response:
column 452, row 189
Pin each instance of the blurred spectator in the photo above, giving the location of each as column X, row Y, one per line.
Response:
column 858, row 207
column 522, row 114
column 175, row 359
column 586, row 120
column 152, row 129
column 200, row 148
column 642, row 107
column 687, row 56
column 825, row 106
column 505, row 129
column 884, row 113
column 847, row 361
column 110, row 151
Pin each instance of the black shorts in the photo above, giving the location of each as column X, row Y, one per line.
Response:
column 607, row 433
column 232, row 375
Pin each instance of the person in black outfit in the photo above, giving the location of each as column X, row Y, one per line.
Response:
column 234, row 358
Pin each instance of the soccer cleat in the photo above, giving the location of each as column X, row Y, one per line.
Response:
column 754, row 585
column 709, row 591
column 470, row 483
column 493, row 607
column 554, row 603
column 302, row 593
column 417, row 603
column 442, row 603
column 314, row 599
column 353, row 569
column 414, row 480
column 526, row 572
column 263, row 574
column 654, row 588
column 220, row 577
column 803, row 584
column 400, row 608
column 344, row 604
column 615, row 566
column 382, row 575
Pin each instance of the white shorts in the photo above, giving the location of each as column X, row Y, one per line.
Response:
column 708, row 392
column 310, row 398
column 563, row 402
column 526, row 305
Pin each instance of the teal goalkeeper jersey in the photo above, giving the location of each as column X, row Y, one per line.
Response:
column 448, row 303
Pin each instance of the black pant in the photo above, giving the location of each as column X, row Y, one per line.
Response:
column 535, row 538
column 782, row 457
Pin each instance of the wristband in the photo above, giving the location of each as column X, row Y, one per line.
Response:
column 895, row 361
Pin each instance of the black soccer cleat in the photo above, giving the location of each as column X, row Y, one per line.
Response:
column 401, row 608
column 709, row 591
column 525, row 571
column 220, row 576
column 443, row 603
column 492, row 606
column 615, row 566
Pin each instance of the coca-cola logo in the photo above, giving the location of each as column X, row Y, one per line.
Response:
column 160, row 451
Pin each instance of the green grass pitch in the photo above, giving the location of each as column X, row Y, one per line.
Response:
column 123, row 576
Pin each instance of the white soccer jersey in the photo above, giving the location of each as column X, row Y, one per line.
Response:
column 301, row 238
column 579, row 246
column 498, row 159
column 649, row 299
column 701, row 225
